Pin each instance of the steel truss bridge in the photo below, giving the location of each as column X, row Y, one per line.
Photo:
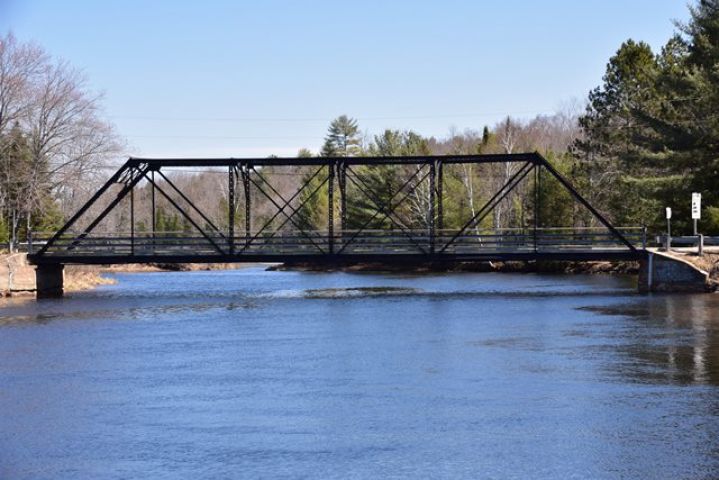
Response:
column 281, row 236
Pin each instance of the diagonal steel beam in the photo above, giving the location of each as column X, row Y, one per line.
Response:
column 289, row 217
column 134, row 180
column 492, row 202
column 85, row 207
column 304, row 202
column 388, row 213
column 367, row 191
column 286, row 204
column 364, row 226
column 299, row 207
column 543, row 162
column 279, row 211
column 295, row 211
column 189, row 202
column 186, row 215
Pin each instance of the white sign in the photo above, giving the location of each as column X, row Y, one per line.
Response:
column 696, row 206
column 669, row 213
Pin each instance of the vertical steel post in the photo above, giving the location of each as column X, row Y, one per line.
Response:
column 132, row 217
column 440, row 197
column 331, row 205
column 432, row 199
column 245, row 171
column 154, row 216
column 537, row 205
column 342, row 167
column 700, row 245
column 231, row 206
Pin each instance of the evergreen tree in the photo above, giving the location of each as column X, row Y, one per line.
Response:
column 15, row 172
column 4, row 235
column 342, row 138
column 622, row 162
column 383, row 182
column 652, row 130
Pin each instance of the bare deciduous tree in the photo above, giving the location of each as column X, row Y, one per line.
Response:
column 60, row 122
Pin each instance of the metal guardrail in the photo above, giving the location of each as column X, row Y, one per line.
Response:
column 687, row 240
column 359, row 242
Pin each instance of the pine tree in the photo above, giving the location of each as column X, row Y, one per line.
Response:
column 383, row 182
column 653, row 124
column 342, row 138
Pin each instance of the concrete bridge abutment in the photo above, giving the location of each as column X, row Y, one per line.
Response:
column 50, row 280
column 659, row 272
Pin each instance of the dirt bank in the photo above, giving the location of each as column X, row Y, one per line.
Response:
column 520, row 267
column 171, row 267
column 17, row 277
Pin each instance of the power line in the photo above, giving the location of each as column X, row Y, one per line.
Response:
column 227, row 137
column 326, row 119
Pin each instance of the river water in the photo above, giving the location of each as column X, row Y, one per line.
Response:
column 255, row 374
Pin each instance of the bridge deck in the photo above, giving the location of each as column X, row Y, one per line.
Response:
column 352, row 246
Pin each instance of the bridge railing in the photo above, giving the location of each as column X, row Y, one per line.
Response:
column 543, row 240
column 377, row 242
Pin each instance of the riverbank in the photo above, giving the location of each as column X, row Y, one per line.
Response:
column 169, row 267
column 17, row 276
column 626, row 268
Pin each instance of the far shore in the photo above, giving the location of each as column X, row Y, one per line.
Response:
column 627, row 268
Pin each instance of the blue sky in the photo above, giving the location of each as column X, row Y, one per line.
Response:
column 252, row 78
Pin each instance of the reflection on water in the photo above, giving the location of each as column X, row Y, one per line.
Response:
column 674, row 339
column 252, row 374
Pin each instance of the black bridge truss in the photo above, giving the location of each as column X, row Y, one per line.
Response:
column 77, row 242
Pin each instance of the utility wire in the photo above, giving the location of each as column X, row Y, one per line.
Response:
column 323, row 119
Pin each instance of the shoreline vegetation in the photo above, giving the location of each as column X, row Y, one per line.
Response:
column 626, row 268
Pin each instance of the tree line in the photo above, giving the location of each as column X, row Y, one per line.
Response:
column 370, row 188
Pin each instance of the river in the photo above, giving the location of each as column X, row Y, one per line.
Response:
column 255, row 374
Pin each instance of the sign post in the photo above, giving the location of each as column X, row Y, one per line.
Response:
column 668, row 243
column 697, row 215
column 696, row 209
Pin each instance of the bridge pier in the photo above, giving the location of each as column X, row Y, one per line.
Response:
column 50, row 280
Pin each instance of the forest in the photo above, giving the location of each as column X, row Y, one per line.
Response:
column 646, row 139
